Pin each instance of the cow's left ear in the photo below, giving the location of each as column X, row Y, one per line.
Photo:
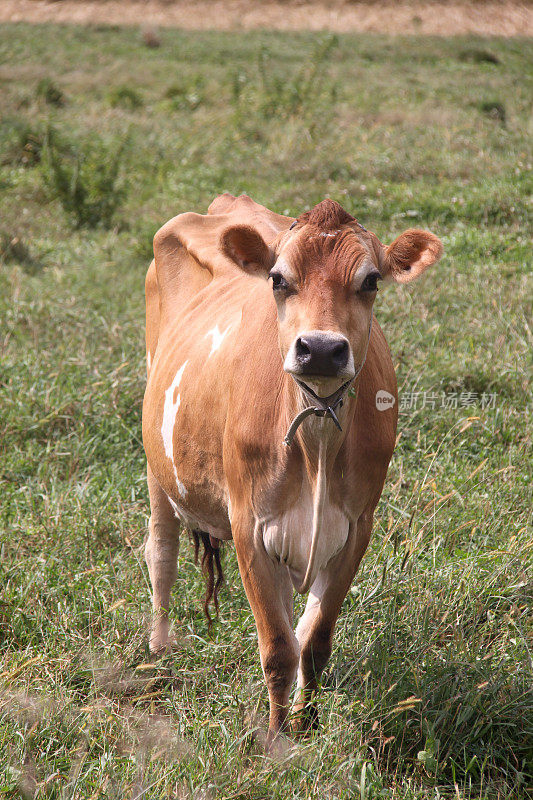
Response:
column 247, row 248
column 410, row 255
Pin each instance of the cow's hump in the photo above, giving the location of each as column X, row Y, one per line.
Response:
column 187, row 250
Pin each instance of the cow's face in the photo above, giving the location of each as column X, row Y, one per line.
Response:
column 324, row 274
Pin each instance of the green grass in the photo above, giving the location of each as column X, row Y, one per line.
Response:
column 429, row 690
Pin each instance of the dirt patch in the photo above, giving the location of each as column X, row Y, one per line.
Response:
column 437, row 18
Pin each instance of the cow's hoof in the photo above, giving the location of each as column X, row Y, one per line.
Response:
column 159, row 641
column 277, row 745
column 305, row 721
column 157, row 647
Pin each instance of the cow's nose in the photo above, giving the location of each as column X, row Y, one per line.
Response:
column 321, row 355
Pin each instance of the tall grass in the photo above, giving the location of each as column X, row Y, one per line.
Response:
column 87, row 180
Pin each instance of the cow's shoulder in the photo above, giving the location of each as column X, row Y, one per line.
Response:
column 188, row 256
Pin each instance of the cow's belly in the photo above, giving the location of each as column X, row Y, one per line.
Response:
column 219, row 527
column 193, row 480
column 287, row 537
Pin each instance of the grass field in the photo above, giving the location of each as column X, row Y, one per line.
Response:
column 429, row 690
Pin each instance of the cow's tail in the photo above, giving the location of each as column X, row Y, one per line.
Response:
column 210, row 562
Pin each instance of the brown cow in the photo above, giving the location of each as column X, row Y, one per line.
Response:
column 261, row 418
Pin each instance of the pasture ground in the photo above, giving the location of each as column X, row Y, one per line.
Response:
column 429, row 690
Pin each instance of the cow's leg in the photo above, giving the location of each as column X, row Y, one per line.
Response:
column 269, row 591
column 317, row 624
column 287, row 594
column 161, row 554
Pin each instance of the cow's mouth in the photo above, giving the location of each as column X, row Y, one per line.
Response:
column 320, row 407
column 328, row 400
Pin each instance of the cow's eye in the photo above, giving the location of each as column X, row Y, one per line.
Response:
column 370, row 283
column 278, row 281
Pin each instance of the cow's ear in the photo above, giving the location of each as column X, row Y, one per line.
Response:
column 410, row 255
column 247, row 248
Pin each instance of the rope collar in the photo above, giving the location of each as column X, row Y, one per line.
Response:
column 324, row 407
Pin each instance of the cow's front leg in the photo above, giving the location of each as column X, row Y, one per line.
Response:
column 269, row 591
column 317, row 624
column 161, row 554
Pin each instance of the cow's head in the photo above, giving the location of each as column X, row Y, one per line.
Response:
column 324, row 272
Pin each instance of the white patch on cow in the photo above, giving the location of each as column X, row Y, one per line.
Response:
column 148, row 360
column 323, row 234
column 170, row 411
column 217, row 338
column 287, row 537
column 175, row 508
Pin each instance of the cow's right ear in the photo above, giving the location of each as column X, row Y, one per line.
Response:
column 243, row 245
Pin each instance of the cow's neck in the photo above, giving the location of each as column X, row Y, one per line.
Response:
column 319, row 441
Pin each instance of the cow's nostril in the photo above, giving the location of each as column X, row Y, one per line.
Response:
column 303, row 351
column 339, row 354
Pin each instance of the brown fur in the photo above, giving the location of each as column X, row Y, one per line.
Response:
column 242, row 244
column 327, row 215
